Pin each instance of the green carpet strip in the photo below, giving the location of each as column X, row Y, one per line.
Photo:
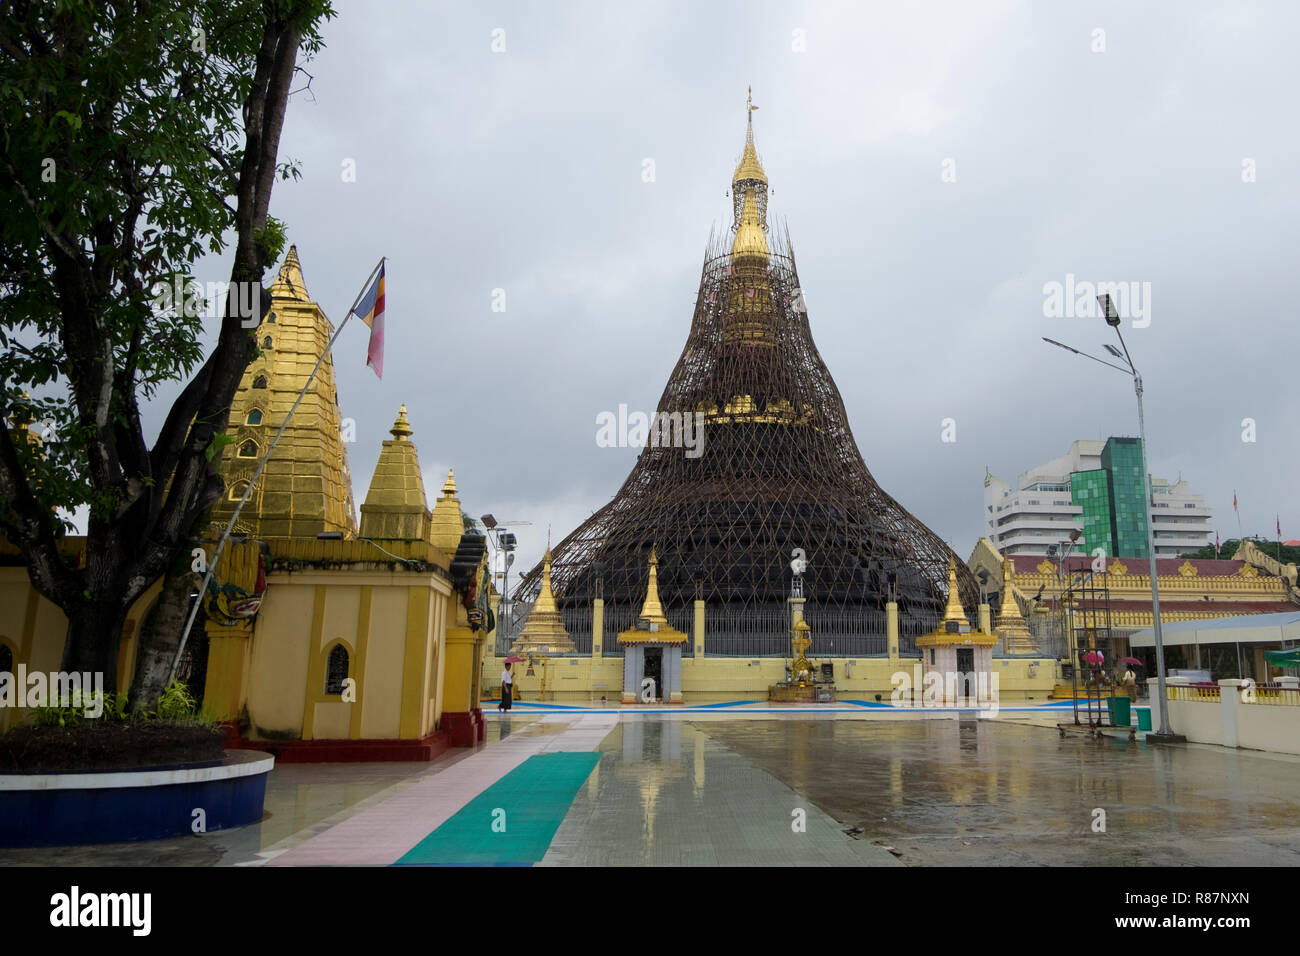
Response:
column 513, row 821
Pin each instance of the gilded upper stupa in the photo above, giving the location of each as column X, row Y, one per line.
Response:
column 306, row 488
column 395, row 504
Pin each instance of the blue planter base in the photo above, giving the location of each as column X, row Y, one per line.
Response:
column 73, row 809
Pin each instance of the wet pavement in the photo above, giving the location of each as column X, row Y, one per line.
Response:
column 770, row 789
column 665, row 794
column 989, row 792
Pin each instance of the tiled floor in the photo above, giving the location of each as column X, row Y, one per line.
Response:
column 737, row 787
column 664, row 794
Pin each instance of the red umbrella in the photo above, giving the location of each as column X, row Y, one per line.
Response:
column 515, row 660
column 1131, row 660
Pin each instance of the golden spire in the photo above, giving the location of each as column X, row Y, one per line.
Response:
column 1010, row 610
column 401, row 429
column 1009, row 625
column 750, row 240
column 954, row 611
column 749, row 167
column 395, row 503
column 446, row 526
column 546, row 598
column 289, row 282
column 652, row 610
column 545, row 628
column 749, row 189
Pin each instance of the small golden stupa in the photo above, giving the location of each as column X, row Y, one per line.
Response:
column 659, row 630
column 1009, row 624
column 544, row 629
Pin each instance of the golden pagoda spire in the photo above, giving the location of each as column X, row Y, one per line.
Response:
column 749, row 167
column 544, row 627
column 1010, row 610
column 660, row 631
column 306, row 488
column 446, row 526
column 652, row 610
column 1010, row 625
column 954, row 611
column 749, row 188
column 395, row 505
column 289, row 282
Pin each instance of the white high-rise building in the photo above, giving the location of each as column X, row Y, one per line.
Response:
column 1087, row 490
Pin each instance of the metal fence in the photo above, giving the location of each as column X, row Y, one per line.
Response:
column 840, row 633
column 746, row 632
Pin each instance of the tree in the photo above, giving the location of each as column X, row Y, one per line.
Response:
column 1228, row 549
column 137, row 137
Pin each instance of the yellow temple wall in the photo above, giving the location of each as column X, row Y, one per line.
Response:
column 35, row 629
column 584, row 679
column 393, row 627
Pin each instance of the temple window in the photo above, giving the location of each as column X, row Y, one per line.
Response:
column 266, row 342
column 248, row 449
column 270, row 317
column 254, row 417
column 237, row 490
column 259, row 382
column 336, row 670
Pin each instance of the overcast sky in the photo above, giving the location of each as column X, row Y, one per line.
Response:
column 522, row 170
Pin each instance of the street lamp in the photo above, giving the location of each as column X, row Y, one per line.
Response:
column 1113, row 320
column 505, row 543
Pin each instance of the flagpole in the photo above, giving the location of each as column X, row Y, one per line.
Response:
column 248, row 490
column 1241, row 537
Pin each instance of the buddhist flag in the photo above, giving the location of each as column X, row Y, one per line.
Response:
column 1234, row 501
column 370, row 310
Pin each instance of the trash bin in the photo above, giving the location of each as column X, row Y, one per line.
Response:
column 1144, row 718
column 1120, row 715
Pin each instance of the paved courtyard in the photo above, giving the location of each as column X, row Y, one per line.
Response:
column 747, row 785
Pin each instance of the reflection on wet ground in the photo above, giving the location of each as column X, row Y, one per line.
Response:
column 729, row 790
column 664, row 794
column 987, row 792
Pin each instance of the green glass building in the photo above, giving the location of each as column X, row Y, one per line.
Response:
column 1113, row 499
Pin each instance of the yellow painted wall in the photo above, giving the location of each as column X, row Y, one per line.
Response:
column 581, row 679
column 36, row 629
column 391, row 625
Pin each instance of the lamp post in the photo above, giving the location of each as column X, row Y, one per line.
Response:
column 505, row 544
column 1112, row 317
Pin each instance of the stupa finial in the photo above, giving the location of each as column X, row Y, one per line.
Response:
column 401, row 429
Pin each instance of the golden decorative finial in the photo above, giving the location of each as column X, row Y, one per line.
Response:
column 401, row 428
column 749, row 166
column 954, row 611
column 289, row 282
column 449, row 486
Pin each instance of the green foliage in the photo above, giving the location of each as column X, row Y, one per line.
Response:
column 122, row 146
column 175, row 702
column 81, row 707
column 1228, row 549
column 175, row 705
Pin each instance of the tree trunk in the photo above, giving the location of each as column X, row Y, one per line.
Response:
column 94, row 636
column 161, row 636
